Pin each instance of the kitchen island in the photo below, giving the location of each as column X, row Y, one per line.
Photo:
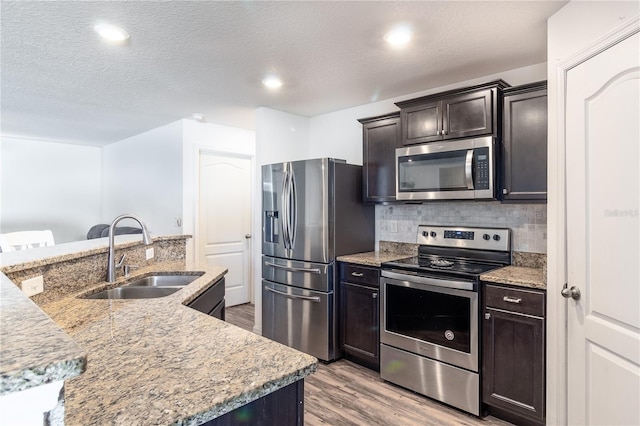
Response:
column 158, row 361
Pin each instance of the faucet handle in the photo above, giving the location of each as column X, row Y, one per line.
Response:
column 119, row 264
column 126, row 269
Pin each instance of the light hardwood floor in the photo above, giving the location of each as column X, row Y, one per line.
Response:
column 344, row 393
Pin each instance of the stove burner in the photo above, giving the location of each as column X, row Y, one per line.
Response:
column 442, row 263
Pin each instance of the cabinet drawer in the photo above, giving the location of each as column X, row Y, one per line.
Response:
column 360, row 274
column 529, row 302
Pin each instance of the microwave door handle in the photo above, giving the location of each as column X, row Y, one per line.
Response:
column 468, row 169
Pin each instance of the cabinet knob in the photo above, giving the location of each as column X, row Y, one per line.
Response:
column 374, row 295
column 487, row 316
column 505, row 191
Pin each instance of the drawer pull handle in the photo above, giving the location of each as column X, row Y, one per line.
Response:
column 511, row 299
column 357, row 274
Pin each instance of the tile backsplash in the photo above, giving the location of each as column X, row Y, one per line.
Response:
column 528, row 222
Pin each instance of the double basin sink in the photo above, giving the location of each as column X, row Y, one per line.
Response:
column 148, row 287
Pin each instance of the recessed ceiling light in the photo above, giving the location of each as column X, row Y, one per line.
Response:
column 272, row 82
column 111, row 33
column 198, row 116
column 398, row 37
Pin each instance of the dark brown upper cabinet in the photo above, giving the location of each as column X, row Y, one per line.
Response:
column 380, row 138
column 524, row 145
column 461, row 113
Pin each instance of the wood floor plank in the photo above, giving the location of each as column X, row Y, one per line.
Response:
column 344, row 393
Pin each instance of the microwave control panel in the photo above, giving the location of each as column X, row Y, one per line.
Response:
column 481, row 160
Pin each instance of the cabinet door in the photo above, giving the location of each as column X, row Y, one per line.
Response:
column 421, row 123
column 380, row 140
column 525, row 147
column 513, row 363
column 211, row 297
column 470, row 114
column 360, row 323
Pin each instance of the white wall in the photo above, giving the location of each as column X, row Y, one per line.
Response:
column 142, row 175
column 197, row 137
column 281, row 136
column 49, row 185
column 573, row 28
column 339, row 134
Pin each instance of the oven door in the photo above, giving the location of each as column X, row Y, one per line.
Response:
column 433, row 317
column 449, row 170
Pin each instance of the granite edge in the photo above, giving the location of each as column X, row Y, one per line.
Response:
column 73, row 359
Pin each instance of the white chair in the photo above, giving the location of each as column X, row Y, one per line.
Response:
column 23, row 240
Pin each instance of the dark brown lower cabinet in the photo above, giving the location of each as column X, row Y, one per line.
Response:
column 359, row 314
column 283, row 407
column 513, row 372
column 211, row 302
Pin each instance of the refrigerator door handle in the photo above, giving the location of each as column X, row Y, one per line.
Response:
column 292, row 269
column 294, row 296
column 293, row 218
column 285, row 210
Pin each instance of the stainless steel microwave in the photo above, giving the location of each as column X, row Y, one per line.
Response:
column 455, row 170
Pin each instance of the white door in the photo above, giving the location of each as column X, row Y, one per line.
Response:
column 224, row 231
column 603, row 237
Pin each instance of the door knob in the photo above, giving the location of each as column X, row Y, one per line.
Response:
column 573, row 292
column 247, row 236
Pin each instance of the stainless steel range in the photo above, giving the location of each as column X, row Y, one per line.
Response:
column 430, row 312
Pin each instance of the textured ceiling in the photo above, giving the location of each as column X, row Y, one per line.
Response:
column 59, row 81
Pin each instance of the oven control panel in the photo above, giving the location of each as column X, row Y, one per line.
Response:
column 458, row 235
column 465, row 237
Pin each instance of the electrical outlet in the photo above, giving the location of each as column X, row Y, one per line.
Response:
column 33, row 286
column 150, row 253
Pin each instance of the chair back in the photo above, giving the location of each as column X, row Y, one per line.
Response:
column 23, row 240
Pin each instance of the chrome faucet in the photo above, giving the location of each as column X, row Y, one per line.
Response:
column 111, row 261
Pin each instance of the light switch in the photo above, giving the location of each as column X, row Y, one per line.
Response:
column 33, row 286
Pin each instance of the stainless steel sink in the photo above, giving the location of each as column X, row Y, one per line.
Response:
column 127, row 292
column 163, row 281
column 149, row 287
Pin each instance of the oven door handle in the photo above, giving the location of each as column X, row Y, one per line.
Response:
column 460, row 285
column 468, row 169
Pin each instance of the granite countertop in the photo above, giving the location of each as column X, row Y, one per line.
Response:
column 372, row 258
column 156, row 361
column 531, row 276
column 34, row 350
column 520, row 276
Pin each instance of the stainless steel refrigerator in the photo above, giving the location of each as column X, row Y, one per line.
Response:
column 312, row 212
